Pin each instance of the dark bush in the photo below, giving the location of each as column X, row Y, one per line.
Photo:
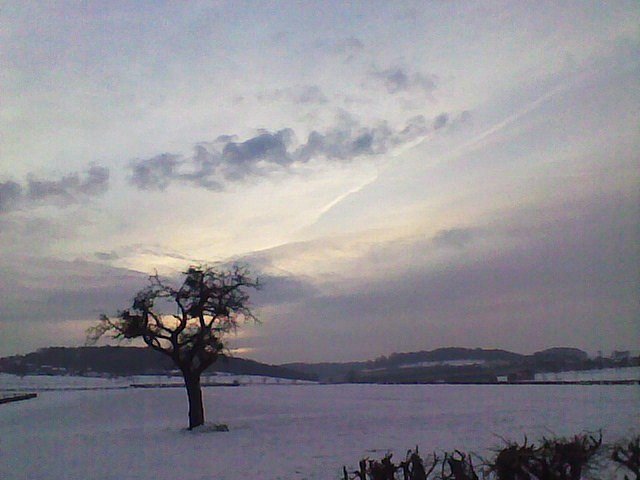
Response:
column 554, row 459
column 550, row 459
column 458, row 466
column 628, row 455
column 412, row 468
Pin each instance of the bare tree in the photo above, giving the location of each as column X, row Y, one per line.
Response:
column 188, row 323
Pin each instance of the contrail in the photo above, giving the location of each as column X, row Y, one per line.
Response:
column 509, row 120
column 342, row 196
column 465, row 147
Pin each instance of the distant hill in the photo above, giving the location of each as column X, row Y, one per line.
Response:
column 449, row 364
column 562, row 353
column 450, row 354
column 342, row 371
column 128, row 361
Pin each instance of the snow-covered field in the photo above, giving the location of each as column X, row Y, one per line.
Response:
column 628, row 373
column 286, row 431
column 35, row 383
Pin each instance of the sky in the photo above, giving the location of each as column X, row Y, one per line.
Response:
column 402, row 176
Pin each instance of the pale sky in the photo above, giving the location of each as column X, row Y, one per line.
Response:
column 402, row 176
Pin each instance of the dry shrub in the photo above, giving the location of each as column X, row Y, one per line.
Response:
column 628, row 455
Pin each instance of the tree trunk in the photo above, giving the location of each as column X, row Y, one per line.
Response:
column 194, row 392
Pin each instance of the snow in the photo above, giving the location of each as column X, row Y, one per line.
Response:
column 448, row 363
column 439, row 363
column 285, row 431
column 628, row 373
column 34, row 383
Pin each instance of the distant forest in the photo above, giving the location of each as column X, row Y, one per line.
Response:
column 449, row 365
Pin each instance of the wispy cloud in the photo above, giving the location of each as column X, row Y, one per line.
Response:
column 299, row 95
column 350, row 46
column 523, row 282
column 63, row 290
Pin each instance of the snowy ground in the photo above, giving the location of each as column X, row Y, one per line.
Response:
column 629, row 373
column 36, row 383
column 285, row 431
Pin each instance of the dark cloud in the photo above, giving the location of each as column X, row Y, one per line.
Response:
column 35, row 233
column 204, row 163
column 229, row 160
column 271, row 147
column 455, row 237
column 398, row 80
column 351, row 140
column 68, row 187
column 226, row 138
column 349, row 45
column 440, row 121
column 63, row 191
column 416, row 127
column 343, row 144
column 349, row 48
column 346, row 47
column 254, row 156
column 157, row 173
column 233, row 161
column 41, row 189
column 311, row 94
column 106, row 256
column 46, row 300
column 280, row 289
column 97, row 181
column 154, row 173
